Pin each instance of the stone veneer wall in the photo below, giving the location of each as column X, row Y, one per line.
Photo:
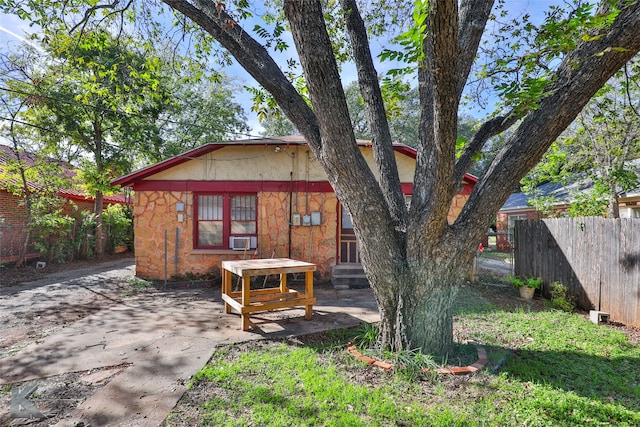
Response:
column 155, row 213
column 456, row 207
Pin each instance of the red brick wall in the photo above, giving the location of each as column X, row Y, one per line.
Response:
column 12, row 225
column 502, row 221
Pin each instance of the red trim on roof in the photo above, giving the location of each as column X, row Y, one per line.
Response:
column 166, row 164
column 77, row 196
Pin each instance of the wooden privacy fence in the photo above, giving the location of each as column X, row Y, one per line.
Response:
column 598, row 259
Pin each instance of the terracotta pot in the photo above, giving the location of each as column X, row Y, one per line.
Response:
column 119, row 249
column 526, row 292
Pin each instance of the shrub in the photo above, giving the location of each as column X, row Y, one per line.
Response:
column 559, row 298
column 52, row 235
column 118, row 223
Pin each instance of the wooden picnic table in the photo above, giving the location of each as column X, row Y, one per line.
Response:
column 250, row 300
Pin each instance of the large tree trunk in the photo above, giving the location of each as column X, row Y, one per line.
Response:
column 420, row 313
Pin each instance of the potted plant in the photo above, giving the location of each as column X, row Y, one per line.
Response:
column 527, row 285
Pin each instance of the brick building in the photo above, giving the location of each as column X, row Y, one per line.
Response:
column 13, row 222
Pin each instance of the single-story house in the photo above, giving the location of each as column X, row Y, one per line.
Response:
column 522, row 206
column 13, row 222
column 257, row 198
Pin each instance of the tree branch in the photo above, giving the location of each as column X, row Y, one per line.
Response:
column 438, row 86
column 254, row 58
column 488, row 129
column 376, row 116
column 353, row 181
column 90, row 11
column 581, row 73
column 473, row 19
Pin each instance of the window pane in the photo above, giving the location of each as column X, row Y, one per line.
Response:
column 210, row 233
column 243, row 208
column 346, row 220
column 243, row 227
column 511, row 223
column 210, row 208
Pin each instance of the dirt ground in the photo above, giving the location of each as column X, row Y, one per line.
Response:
column 32, row 309
column 28, row 314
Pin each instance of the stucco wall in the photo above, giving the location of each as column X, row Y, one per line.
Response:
column 273, row 163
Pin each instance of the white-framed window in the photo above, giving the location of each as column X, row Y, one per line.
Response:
column 511, row 223
column 221, row 215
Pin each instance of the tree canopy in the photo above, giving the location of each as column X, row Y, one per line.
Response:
column 109, row 103
column 597, row 148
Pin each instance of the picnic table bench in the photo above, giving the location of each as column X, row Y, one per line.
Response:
column 249, row 300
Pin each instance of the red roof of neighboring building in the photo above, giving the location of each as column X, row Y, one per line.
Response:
column 208, row 148
column 29, row 159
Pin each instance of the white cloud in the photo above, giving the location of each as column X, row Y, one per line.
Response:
column 13, row 30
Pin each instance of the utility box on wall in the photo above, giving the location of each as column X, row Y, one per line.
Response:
column 315, row 218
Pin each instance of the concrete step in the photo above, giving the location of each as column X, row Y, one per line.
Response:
column 348, row 276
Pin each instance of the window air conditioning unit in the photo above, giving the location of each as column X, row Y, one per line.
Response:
column 240, row 243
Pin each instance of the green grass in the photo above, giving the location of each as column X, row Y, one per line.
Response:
column 136, row 285
column 559, row 370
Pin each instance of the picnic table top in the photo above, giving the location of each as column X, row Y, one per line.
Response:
column 267, row 266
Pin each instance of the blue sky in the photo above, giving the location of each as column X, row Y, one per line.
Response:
column 12, row 31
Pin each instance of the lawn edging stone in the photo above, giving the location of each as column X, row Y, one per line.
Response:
column 478, row 365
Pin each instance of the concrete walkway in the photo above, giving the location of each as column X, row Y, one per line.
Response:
column 157, row 341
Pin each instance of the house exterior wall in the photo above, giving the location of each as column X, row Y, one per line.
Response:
column 157, row 223
column 630, row 207
column 502, row 227
column 456, row 206
column 155, row 214
column 286, row 179
column 259, row 163
column 12, row 226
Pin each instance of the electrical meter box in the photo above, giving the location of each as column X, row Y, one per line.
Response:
column 306, row 220
column 315, row 218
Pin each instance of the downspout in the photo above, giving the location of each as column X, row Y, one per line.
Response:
column 290, row 213
column 175, row 256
